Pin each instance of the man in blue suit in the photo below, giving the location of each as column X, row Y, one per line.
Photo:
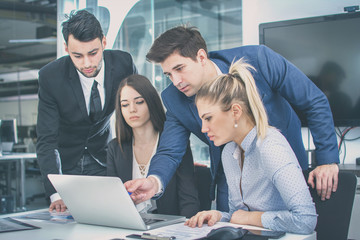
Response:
column 183, row 56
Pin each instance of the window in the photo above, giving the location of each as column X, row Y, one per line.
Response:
column 133, row 25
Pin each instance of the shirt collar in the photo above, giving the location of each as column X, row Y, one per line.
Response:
column 249, row 139
column 247, row 143
column 218, row 71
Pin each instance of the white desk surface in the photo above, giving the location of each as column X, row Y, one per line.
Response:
column 76, row 231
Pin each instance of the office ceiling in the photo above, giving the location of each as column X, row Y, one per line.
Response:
column 28, row 38
column 27, row 42
column 28, row 34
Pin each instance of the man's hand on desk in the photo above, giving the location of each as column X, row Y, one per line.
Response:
column 326, row 179
column 142, row 189
column 58, row 205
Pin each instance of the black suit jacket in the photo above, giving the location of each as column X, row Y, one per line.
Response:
column 180, row 196
column 63, row 122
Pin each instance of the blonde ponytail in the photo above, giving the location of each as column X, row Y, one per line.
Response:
column 241, row 68
column 237, row 86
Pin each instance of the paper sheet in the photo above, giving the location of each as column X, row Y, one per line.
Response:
column 8, row 225
column 57, row 217
column 182, row 232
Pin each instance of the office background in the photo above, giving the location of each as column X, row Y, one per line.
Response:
column 262, row 11
column 31, row 37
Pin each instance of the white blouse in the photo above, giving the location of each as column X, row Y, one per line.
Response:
column 149, row 205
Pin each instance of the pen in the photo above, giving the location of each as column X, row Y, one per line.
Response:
column 156, row 237
column 149, row 236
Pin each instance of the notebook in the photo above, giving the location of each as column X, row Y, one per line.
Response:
column 9, row 224
column 104, row 201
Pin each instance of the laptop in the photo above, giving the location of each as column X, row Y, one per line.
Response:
column 104, row 201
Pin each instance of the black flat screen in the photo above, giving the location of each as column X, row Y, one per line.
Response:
column 327, row 50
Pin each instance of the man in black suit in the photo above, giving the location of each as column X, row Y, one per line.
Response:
column 76, row 100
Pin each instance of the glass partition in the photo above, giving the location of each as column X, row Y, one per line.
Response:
column 132, row 26
column 27, row 43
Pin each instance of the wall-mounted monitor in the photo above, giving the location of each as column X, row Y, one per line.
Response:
column 327, row 50
column 8, row 135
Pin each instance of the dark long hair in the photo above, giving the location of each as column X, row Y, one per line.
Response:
column 147, row 91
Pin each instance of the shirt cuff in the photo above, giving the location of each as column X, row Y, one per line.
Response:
column 266, row 219
column 55, row 197
column 161, row 188
column 225, row 217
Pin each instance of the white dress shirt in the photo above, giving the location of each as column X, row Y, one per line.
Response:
column 86, row 84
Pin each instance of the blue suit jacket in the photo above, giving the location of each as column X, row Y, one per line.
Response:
column 281, row 86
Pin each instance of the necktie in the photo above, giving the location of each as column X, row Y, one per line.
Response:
column 95, row 103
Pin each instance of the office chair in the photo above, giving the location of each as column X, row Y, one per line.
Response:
column 334, row 214
column 203, row 181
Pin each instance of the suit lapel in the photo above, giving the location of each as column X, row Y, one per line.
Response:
column 126, row 164
column 108, row 81
column 197, row 119
column 78, row 92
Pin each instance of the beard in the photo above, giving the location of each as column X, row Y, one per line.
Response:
column 93, row 74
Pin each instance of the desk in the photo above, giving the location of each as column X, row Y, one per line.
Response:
column 20, row 159
column 77, row 231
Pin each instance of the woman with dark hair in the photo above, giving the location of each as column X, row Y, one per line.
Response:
column 140, row 120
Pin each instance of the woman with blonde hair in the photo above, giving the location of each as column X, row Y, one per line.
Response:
column 266, row 184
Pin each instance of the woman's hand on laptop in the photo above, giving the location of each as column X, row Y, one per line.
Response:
column 141, row 189
column 58, row 205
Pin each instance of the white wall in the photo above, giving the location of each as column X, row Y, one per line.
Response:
column 261, row 11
